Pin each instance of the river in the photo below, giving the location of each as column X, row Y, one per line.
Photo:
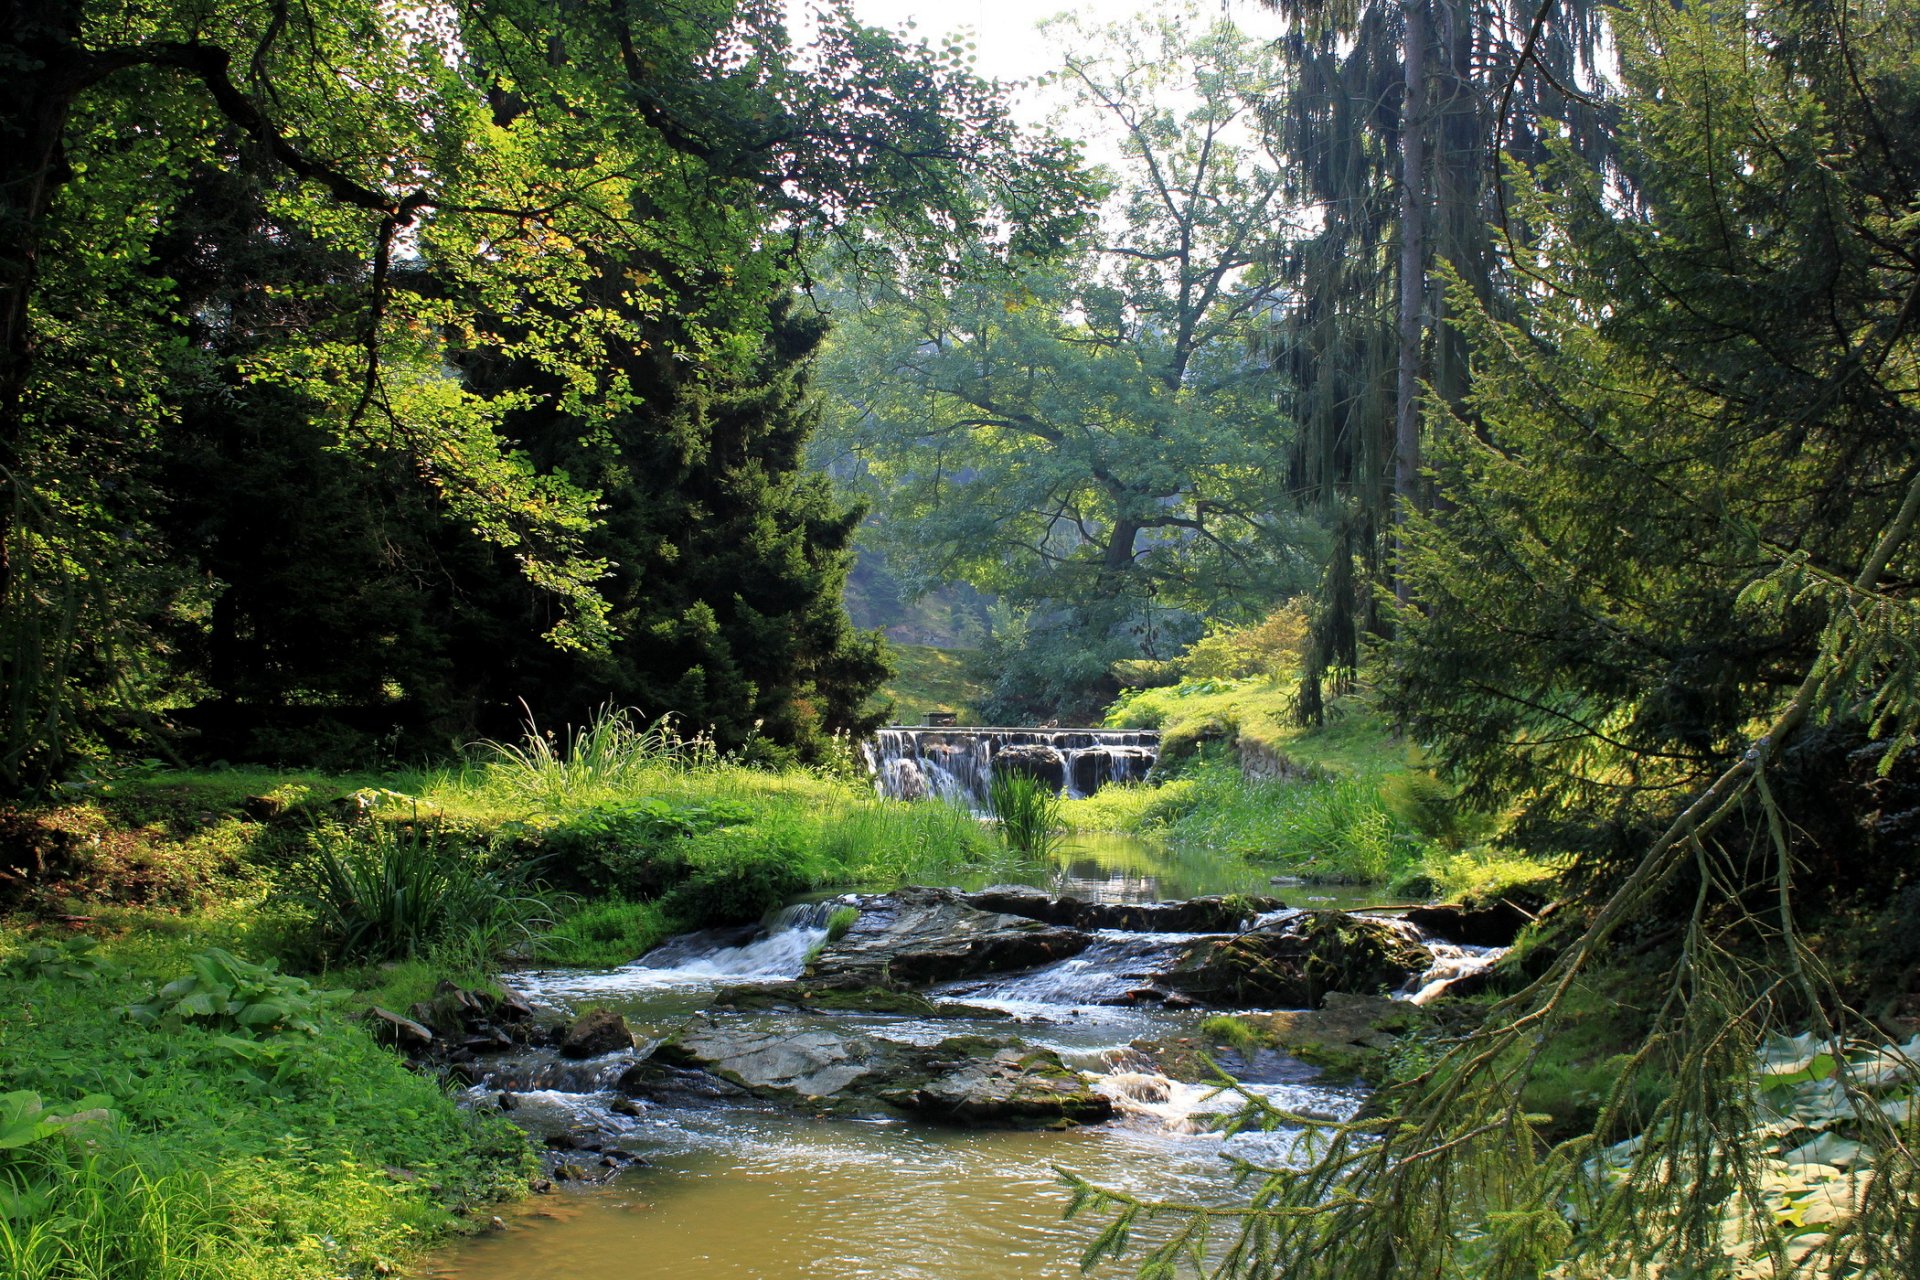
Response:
column 742, row 1189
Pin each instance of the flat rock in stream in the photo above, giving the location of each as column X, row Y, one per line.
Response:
column 1217, row 913
column 917, row 937
column 1296, row 963
column 970, row 1080
column 1000, row 1085
column 807, row 1064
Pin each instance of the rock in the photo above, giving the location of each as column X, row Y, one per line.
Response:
column 814, row 997
column 1296, row 963
column 1494, row 924
column 1348, row 1034
column 971, row 1080
column 917, row 937
column 1215, row 914
column 653, row 1081
column 1033, row 760
column 511, row 1006
column 391, row 1029
column 598, row 1032
column 810, row 1064
column 1001, row 1085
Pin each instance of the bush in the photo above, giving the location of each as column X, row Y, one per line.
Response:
column 607, row 933
column 634, row 848
column 739, row 874
column 383, row 890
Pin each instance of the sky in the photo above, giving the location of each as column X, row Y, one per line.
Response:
column 1007, row 45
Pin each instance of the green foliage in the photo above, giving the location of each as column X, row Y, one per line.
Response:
column 607, row 932
column 843, row 919
column 1087, row 438
column 1027, row 811
column 340, row 225
column 226, row 993
column 28, row 1128
column 381, row 890
column 77, row 959
column 607, row 753
column 926, row 679
column 739, row 874
column 217, row 1165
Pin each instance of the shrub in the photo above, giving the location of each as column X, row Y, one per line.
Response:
column 739, row 874
column 635, row 848
column 382, row 890
column 607, row 933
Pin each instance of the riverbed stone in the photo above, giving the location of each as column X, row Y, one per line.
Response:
column 1033, row 760
column 1488, row 924
column 1297, row 962
column 809, row 1063
column 598, row 1032
column 1348, row 1035
column 920, row 936
column 999, row 1085
column 970, row 1080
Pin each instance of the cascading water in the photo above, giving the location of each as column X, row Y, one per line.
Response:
column 957, row 765
column 735, row 1189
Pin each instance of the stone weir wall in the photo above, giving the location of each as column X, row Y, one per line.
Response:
column 956, row 764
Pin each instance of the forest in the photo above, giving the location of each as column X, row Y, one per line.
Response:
column 742, row 635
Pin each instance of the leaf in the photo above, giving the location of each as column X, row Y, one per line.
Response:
column 1827, row 1149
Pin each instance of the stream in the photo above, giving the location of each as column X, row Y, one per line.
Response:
column 736, row 1187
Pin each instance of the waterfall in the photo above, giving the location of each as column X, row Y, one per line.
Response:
column 956, row 764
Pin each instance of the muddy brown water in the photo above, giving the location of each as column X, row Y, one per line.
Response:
column 748, row 1191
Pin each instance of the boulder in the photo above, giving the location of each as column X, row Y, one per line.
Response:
column 1033, row 760
column 812, row 1064
column 1297, row 962
column 994, row 1084
column 406, row 1034
column 598, row 1032
column 1494, row 924
column 917, row 937
column 1348, row 1034
column 971, row 1080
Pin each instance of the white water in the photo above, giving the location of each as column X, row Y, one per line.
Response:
column 956, row 765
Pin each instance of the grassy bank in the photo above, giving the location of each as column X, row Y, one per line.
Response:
column 926, row 678
column 287, row 1143
column 1348, row 801
column 198, row 1145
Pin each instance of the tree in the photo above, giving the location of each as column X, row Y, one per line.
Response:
column 1672, row 593
column 1090, row 437
column 1396, row 125
column 495, row 141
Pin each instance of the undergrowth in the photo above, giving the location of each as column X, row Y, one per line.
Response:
column 244, row 1129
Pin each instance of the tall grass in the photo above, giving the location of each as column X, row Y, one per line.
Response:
column 103, row 1216
column 612, row 752
column 1027, row 811
column 382, row 891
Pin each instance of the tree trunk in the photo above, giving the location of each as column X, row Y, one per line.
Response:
column 1413, row 285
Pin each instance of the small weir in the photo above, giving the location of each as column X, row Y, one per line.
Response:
column 957, row 764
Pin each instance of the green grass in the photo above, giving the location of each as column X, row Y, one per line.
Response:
column 928, row 679
column 229, row 1153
